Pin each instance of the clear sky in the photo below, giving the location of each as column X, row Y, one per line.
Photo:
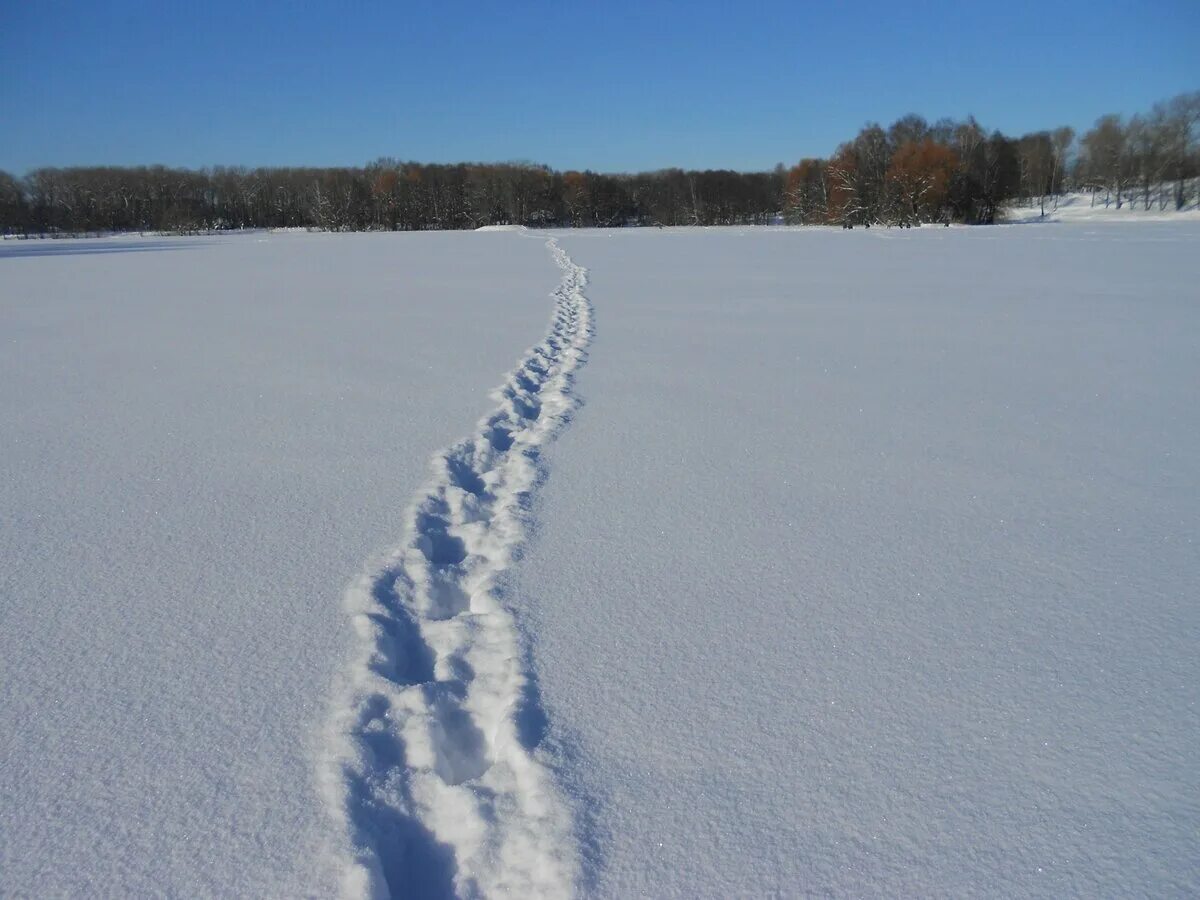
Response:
column 613, row 86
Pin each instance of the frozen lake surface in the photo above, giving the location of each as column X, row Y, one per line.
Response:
column 871, row 565
column 203, row 440
column 853, row 563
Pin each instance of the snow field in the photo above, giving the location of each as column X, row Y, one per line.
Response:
column 201, row 442
column 870, row 566
column 1083, row 207
column 867, row 566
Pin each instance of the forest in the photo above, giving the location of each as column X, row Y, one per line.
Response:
column 911, row 173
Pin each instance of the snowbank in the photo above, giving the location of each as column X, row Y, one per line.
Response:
column 1099, row 207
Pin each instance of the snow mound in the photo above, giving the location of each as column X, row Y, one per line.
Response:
column 502, row 228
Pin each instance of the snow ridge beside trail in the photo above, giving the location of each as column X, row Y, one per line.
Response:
column 430, row 768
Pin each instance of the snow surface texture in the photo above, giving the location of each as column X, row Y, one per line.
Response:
column 431, row 747
column 870, row 571
column 872, row 568
column 201, row 442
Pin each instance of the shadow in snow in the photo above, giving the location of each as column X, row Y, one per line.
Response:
column 404, row 657
column 414, row 862
column 51, row 247
column 530, row 716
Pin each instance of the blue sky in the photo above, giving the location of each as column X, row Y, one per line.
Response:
column 610, row 86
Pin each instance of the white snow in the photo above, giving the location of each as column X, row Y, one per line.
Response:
column 867, row 564
column 429, row 728
column 201, row 442
column 1102, row 207
column 870, row 565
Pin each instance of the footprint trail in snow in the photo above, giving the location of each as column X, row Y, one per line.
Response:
column 427, row 768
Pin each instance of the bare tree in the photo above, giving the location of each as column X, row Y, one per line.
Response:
column 1106, row 148
column 1180, row 118
column 1145, row 138
column 1036, row 158
column 1061, row 140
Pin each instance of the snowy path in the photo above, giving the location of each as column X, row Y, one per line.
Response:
column 432, row 764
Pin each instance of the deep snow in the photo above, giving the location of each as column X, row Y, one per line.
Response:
column 433, row 759
column 203, row 440
column 870, row 565
column 867, row 566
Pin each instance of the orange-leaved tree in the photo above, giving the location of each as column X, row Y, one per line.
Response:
column 918, row 180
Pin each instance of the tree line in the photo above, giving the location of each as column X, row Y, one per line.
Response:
column 910, row 173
